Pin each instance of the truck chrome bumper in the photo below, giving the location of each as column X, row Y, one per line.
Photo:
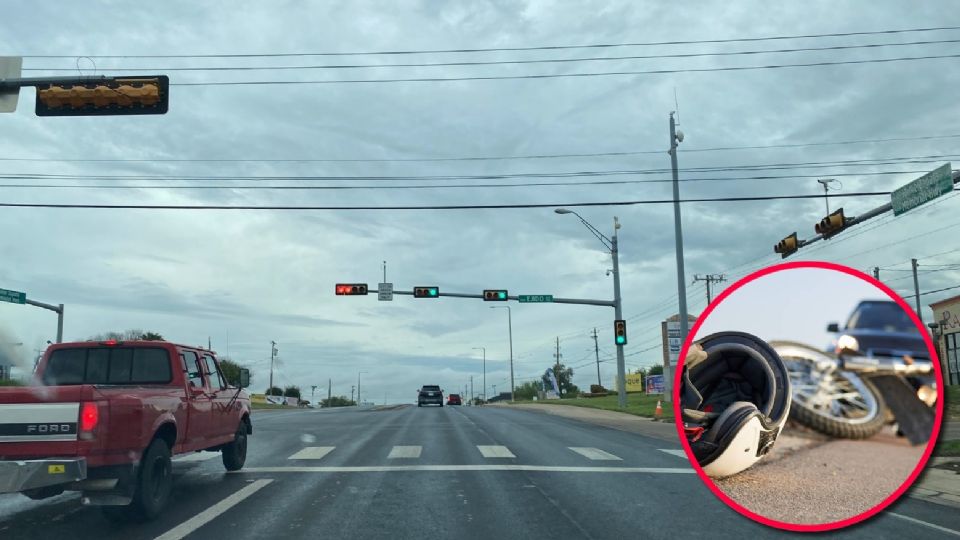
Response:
column 16, row 476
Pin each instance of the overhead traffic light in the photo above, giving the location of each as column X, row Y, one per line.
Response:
column 426, row 292
column 109, row 96
column 351, row 289
column 495, row 295
column 620, row 332
column 788, row 246
column 831, row 224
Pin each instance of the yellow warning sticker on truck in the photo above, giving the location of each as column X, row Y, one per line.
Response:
column 56, row 469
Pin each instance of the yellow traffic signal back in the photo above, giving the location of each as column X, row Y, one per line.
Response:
column 788, row 246
column 620, row 332
column 126, row 95
column 831, row 224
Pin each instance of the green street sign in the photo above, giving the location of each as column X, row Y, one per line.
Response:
column 14, row 297
column 922, row 190
column 534, row 298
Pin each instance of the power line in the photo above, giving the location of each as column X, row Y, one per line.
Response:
column 508, row 49
column 570, row 75
column 91, row 206
column 471, row 158
column 514, row 62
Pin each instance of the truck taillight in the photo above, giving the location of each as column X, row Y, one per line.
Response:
column 89, row 416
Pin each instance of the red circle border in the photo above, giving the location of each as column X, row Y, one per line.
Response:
column 818, row 527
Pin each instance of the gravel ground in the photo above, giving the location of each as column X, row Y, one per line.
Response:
column 812, row 480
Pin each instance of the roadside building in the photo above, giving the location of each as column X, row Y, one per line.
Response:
column 946, row 333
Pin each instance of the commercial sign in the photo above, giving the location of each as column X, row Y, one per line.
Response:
column 654, row 384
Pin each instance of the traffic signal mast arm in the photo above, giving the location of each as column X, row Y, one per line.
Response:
column 850, row 222
column 556, row 300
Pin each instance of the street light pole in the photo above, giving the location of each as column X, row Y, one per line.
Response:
column 484, row 393
column 612, row 244
column 358, row 386
column 675, row 140
column 510, row 329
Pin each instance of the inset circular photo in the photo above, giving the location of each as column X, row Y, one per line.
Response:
column 808, row 396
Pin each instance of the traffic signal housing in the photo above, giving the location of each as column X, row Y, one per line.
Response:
column 831, row 224
column 351, row 289
column 426, row 292
column 620, row 332
column 787, row 247
column 108, row 96
column 495, row 295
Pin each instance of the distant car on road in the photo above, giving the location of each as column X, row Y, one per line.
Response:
column 104, row 418
column 429, row 394
column 454, row 399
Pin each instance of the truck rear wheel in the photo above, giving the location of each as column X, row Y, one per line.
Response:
column 154, row 481
column 235, row 454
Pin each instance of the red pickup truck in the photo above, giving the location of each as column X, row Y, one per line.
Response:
column 104, row 418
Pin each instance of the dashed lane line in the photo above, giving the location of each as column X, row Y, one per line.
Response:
column 405, row 452
column 594, row 454
column 495, row 451
column 313, row 452
column 211, row 513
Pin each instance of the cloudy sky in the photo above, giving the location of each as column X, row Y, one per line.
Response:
column 244, row 278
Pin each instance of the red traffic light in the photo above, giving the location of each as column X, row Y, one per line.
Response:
column 495, row 295
column 351, row 289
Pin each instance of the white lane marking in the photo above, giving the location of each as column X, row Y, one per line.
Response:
column 313, row 452
column 198, row 456
column 495, row 451
column 405, row 452
column 679, row 453
column 211, row 513
column 594, row 453
column 402, row 468
column 924, row 523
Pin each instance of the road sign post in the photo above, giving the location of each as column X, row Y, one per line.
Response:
column 534, row 298
column 922, row 190
column 10, row 68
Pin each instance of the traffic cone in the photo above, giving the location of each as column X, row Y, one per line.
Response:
column 658, row 412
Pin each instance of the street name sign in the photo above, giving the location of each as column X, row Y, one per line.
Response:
column 385, row 292
column 534, row 298
column 14, row 297
column 922, row 190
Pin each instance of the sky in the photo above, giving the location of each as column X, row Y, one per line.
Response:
column 761, row 308
column 245, row 277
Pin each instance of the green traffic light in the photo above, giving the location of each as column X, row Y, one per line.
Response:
column 502, row 295
column 621, row 340
column 433, row 292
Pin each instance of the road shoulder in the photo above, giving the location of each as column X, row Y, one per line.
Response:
column 665, row 431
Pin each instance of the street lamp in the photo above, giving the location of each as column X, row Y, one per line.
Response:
column 510, row 328
column 676, row 137
column 358, row 385
column 611, row 245
column 484, row 349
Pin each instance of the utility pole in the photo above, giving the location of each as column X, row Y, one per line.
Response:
column 596, row 349
column 471, row 389
column 709, row 278
column 209, row 346
column 313, row 391
column 916, row 289
column 494, row 390
column 876, row 273
column 352, row 388
column 556, row 370
column 273, row 355
column 329, row 391
column 675, row 139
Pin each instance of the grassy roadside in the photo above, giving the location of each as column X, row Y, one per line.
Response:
column 952, row 403
column 637, row 404
column 269, row 406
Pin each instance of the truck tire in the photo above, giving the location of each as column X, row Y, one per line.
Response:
column 154, row 481
column 234, row 454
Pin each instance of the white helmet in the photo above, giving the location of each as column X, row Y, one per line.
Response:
column 735, row 399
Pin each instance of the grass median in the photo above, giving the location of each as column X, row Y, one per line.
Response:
column 637, row 403
column 255, row 405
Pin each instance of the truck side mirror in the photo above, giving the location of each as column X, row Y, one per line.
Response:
column 244, row 378
column 833, row 327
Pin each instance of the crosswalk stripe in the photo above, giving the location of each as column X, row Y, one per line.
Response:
column 679, row 453
column 495, row 451
column 594, row 453
column 402, row 452
column 313, row 452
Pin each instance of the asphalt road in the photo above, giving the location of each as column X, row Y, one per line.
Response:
column 455, row 472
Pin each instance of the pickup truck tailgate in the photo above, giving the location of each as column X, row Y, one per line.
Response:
column 41, row 421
